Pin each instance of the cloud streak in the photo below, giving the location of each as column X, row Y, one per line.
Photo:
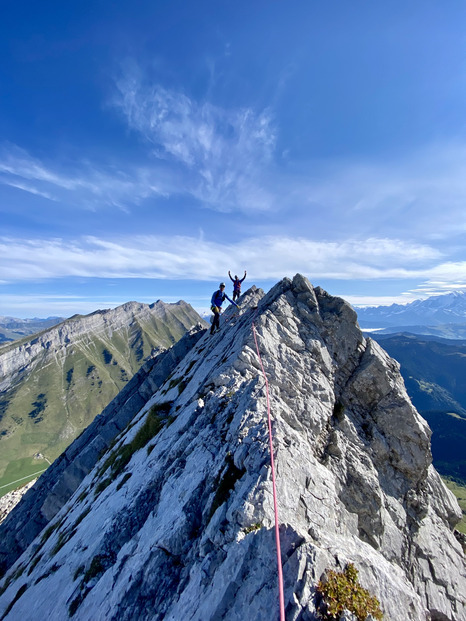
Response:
column 224, row 160
column 227, row 159
column 191, row 258
column 86, row 186
column 224, row 154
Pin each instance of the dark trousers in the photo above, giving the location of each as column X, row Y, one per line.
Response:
column 236, row 294
column 216, row 321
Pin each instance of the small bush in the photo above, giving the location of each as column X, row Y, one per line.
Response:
column 76, row 603
column 78, row 572
column 55, row 567
column 190, row 366
column 6, row 584
column 107, row 356
column 62, row 539
column 125, row 478
column 49, row 531
column 83, row 496
column 96, row 568
column 102, row 485
column 156, row 418
column 39, row 406
column 341, row 591
column 69, row 376
column 19, row 572
column 174, row 382
column 225, row 483
column 339, row 410
column 34, row 563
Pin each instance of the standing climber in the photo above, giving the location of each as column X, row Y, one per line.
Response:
column 217, row 300
column 236, row 284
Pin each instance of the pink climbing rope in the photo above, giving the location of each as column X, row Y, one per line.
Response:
column 275, row 506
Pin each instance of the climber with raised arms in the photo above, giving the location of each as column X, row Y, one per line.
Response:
column 236, row 284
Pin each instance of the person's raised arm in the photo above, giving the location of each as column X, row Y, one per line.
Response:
column 232, row 279
column 243, row 276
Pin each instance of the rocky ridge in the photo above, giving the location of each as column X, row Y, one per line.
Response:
column 62, row 478
column 175, row 521
column 18, row 356
column 10, row 500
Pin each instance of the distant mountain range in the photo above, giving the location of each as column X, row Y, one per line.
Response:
column 12, row 328
column 53, row 384
column 442, row 315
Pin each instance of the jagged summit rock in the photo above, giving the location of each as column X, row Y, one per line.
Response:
column 175, row 521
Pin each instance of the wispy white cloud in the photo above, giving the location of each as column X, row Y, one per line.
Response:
column 225, row 159
column 224, row 154
column 191, row 258
column 85, row 186
column 29, row 305
column 26, row 188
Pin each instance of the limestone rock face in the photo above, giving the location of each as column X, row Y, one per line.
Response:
column 63, row 477
column 10, row 500
column 175, row 521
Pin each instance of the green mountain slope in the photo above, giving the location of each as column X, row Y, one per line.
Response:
column 448, row 443
column 55, row 384
column 460, row 493
column 433, row 370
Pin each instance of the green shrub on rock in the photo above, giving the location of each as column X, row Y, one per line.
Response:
column 341, row 591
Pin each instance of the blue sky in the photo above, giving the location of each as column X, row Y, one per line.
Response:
column 148, row 147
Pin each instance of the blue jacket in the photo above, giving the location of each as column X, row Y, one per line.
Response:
column 219, row 297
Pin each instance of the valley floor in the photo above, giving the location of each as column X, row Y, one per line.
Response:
column 460, row 493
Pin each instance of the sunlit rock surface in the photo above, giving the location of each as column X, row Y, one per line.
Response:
column 175, row 520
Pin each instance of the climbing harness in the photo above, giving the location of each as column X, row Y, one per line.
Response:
column 275, row 505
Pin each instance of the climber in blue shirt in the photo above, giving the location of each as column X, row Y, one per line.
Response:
column 216, row 302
